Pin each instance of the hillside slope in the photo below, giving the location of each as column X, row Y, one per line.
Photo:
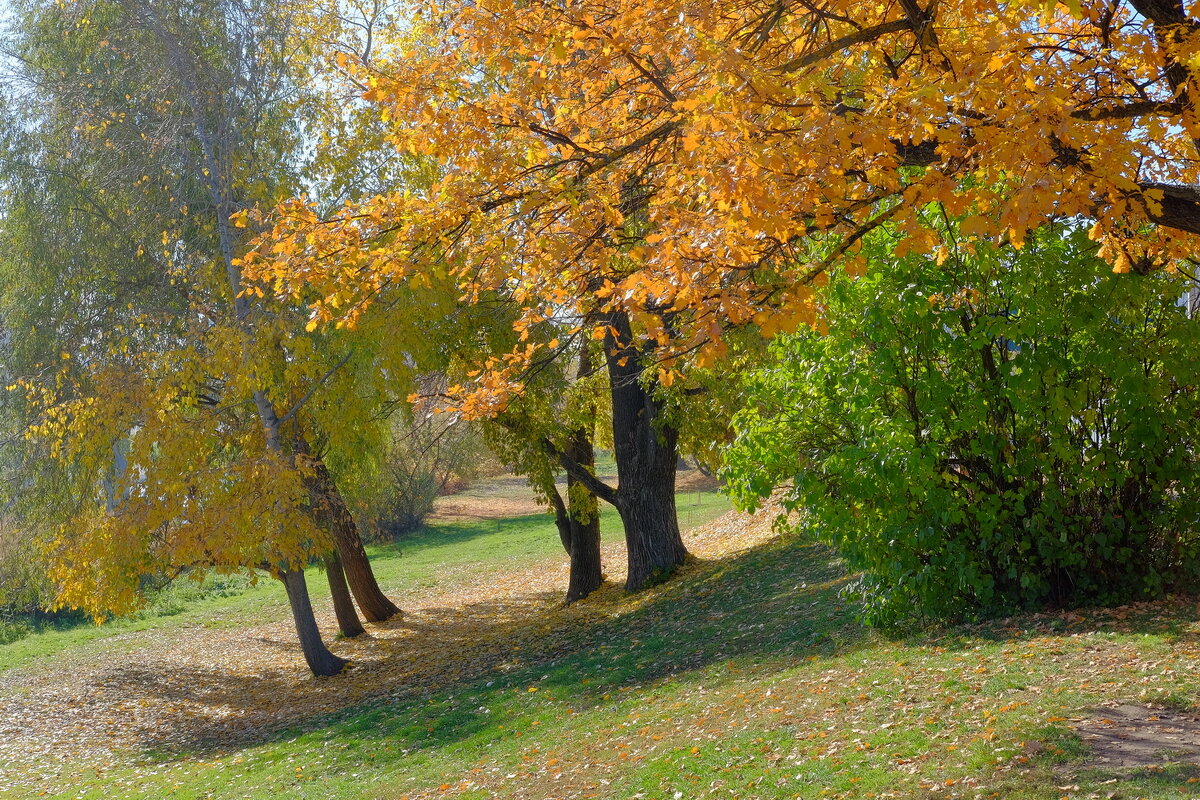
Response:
column 747, row 676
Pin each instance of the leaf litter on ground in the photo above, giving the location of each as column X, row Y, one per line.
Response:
column 747, row 676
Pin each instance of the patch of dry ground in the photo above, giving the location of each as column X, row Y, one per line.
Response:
column 1131, row 736
column 170, row 689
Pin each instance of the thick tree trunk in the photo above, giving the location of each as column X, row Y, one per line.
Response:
column 652, row 536
column 646, row 456
column 343, row 603
column 320, row 660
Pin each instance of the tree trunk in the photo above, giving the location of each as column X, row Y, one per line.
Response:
column 217, row 139
column 373, row 603
column 586, row 570
column 578, row 521
column 562, row 520
column 320, row 660
column 343, row 604
column 646, row 455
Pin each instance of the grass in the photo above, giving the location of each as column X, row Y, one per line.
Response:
column 747, row 678
column 418, row 561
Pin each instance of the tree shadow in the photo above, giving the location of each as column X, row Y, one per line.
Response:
column 444, row 674
column 1171, row 617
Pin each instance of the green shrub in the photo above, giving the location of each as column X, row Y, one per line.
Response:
column 13, row 630
column 1007, row 430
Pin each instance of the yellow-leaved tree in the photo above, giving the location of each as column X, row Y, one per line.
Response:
column 190, row 419
column 669, row 170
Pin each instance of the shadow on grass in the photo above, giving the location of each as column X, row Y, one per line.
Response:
column 1170, row 617
column 445, row 675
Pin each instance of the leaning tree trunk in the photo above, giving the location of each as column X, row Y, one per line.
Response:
column 215, row 141
column 373, row 603
column 343, row 604
column 320, row 660
column 646, row 455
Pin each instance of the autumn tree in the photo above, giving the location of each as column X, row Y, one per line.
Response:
column 554, row 423
column 696, row 167
column 222, row 404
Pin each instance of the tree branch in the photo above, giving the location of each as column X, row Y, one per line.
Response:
column 580, row 473
column 849, row 40
column 314, row 388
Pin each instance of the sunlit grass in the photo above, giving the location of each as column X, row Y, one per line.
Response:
column 747, row 678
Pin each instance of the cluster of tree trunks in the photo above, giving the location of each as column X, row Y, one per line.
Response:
column 646, row 453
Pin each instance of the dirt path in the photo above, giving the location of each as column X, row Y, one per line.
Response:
column 195, row 688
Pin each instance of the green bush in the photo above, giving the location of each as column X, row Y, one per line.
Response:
column 1007, row 430
column 14, row 630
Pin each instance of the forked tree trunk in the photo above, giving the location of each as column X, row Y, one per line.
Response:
column 343, row 603
column 562, row 520
column 334, row 516
column 373, row 603
column 586, row 570
column 320, row 660
column 578, row 522
column 646, row 456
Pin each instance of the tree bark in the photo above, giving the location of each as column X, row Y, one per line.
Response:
column 562, row 520
column 646, row 454
column 322, row 662
column 332, row 508
column 578, row 522
column 586, row 570
column 343, row 604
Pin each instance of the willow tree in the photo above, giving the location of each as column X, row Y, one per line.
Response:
column 155, row 123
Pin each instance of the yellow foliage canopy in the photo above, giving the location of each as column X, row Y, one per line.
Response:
column 699, row 161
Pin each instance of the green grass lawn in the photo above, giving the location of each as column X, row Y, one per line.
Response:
column 747, row 678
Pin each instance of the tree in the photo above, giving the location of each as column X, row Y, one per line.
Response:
column 553, row 423
column 171, row 151
column 753, row 145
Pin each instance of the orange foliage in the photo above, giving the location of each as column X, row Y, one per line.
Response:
column 697, row 164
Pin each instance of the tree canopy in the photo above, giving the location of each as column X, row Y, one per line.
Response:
column 702, row 165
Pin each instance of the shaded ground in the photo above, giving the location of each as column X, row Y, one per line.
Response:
column 174, row 690
column 1130, row 735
